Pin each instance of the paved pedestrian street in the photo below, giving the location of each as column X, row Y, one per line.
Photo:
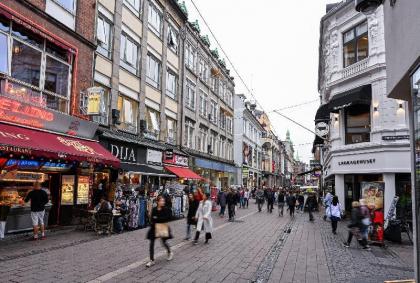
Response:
column 257, row 247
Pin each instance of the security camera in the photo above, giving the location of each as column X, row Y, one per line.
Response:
column 367, row 6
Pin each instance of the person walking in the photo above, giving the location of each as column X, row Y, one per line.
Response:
column 159, row 228
column 355, row 226
column 260, row 199
column 246, row 198
column 270, row 200
column 231, row 200
column 365, row 221
column 327, row 203
column 280, row 202
column 4, row 212
column 335, row 211
column 204, row 219
column 241, row 198
column 38, row 198
column 192, row 210
column 291, row 201
column 221, row 200
column 311, row 203
column 301, row 201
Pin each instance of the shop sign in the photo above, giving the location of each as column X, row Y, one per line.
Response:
column 154, row 157
column 169, row 154
column 22, row 164
column 322, row 129
column 124, row 153
column 55, row 166
column 22, row 113
column 82, row 190
column 357, row 162
column 20, row 176
column 245, row 172
column 177, row 160
column 314, row 163
column 67, row 189
column 395, row 138
column 94, row 100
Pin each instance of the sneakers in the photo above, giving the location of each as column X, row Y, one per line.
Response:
column 195, row 242
column 170, row 256
column 150, row 263
column 346, row 245
column 366, row 248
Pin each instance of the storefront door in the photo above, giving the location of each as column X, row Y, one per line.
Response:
column 54, row 187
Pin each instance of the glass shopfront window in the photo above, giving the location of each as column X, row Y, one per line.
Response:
column 40, row 70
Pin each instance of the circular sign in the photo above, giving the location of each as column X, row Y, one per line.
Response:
column 322, row 129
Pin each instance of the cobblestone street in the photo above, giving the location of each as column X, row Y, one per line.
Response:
column 255, row 248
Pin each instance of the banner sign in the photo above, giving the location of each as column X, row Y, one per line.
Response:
column 95, row 103
column 20, row 176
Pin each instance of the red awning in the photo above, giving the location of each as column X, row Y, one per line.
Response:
column 183, row 172
column 23, row 141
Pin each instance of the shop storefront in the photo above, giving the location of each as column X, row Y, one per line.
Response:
column 65, row 167
column 214, row 173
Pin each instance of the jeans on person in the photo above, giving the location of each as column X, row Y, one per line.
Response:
column 363, row 242
column 222, row 210
column 152, row 248
column 231, row 210
column 310, row 210
column 188, row 231
column 270, row 205
column 260, row 203
column 292, row 210
column 241, row 202
column 300, row 207
column 246, row 202
column 281, row 208
column 334, row 223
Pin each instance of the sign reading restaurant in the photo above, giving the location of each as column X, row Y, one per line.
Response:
column 357, row 162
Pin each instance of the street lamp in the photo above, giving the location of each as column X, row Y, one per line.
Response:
column 367, row 6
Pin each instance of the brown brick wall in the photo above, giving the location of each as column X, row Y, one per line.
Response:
column 84, row 23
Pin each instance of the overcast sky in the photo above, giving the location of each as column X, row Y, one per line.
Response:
column 274, row 46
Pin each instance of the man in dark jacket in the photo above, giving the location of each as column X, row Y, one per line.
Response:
column 311, row 202
column 260, row 198
column 221, row 200
column 291, row 201
column 231, row 200
column 280, row 201
column 270, row 200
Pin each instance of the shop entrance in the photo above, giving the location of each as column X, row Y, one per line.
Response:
column 352, row 186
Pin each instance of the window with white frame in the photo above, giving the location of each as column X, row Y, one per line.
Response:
column 213, row 111
column 134, row 6
column 173, row 39
column 190, row 56
column 222, row 119
column 212, row 143
column 201, row 69
column 355, row 44
column 213, row 83
column 104, row 36
column 102, row 118
column 229, row 98
column 39, row 71
column 222, row 148
column 129, row 50
column 69, row 5
column 171, row 84
column 155, row 19
column 189, row 134
column 190, row 95
column 171, row 131
column 203, row 104
column 217, row 147
column 202, row 139
column 222, row 90
column 153, row 122
column 229, row 126
column 129, row 109
column 244, row 126
column 153, row 71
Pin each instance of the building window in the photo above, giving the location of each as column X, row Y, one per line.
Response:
column 171, row 84
column 155, row 20
column 104, row 109
column 129, row 109
column 40, row 71
column 203, row 70
column 202, row 140
column 190, row 95
column 213, row 83
column 189, row 134
column 69, row 5
column 222, row 120
column 129, row 53
column 153, row 122
column 229, row 126
column 171, row 131
column 221, row 90
column 357, row 124
column 134, row 6
column 190, row 57
column 213, row 111
column 355, row 44
column 153, row 71
column 173, row 39
column 203, row 104
column 212, row 143
column 222, row 151
column 104, row 35
column 229, row 98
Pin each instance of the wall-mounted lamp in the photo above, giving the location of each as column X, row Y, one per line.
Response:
column 336, row 119
column 400, row 105
column 375, row 109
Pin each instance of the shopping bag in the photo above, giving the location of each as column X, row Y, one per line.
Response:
column 161, row 230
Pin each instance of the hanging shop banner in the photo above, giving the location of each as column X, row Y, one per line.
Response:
column 373, row 194
column 94, row 103
column 67, row 190
column 82, row 190
column 24, row 112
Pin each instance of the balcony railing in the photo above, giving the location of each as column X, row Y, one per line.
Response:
column 355, row 68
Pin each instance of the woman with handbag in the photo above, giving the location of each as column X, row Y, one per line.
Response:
column 204, row 219
column 335, row 212
column 159, row 229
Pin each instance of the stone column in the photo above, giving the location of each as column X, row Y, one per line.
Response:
column 340, row 190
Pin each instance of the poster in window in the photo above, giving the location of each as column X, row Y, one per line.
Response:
column 67, row 190
column 82, row 190
column 373, row 195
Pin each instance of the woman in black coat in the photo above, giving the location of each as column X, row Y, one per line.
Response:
column 192, row 209
column 159, row 218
